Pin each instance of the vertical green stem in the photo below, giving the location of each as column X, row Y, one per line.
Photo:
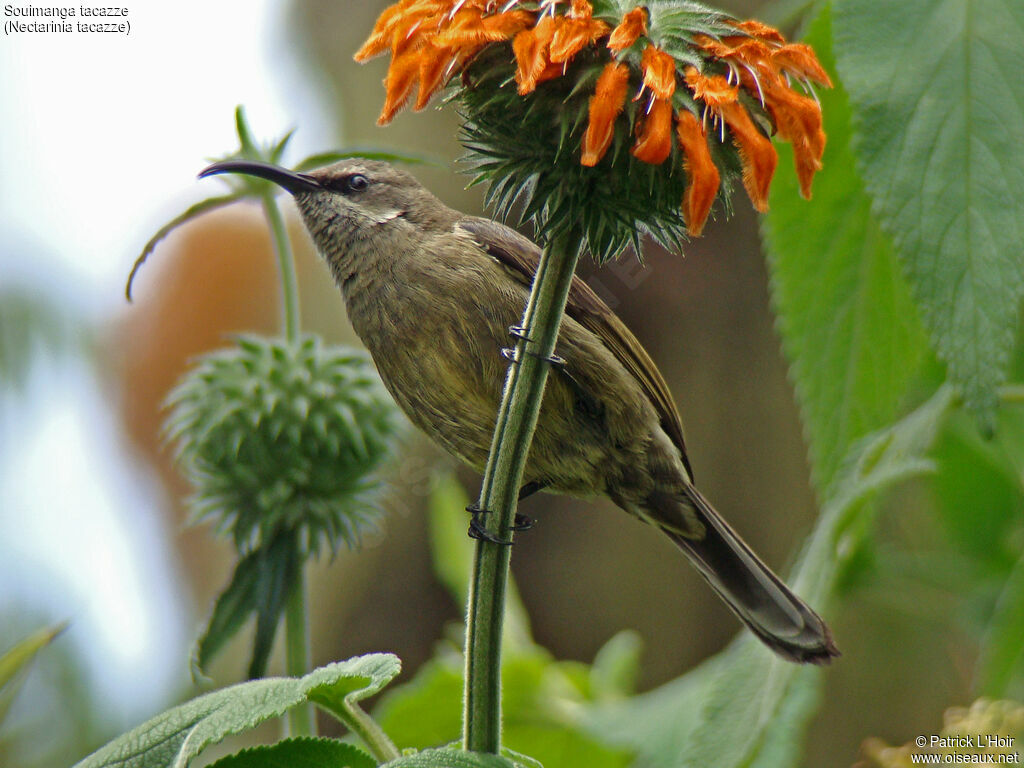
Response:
column 286, row 265
column 517, row 419
column 301, row 719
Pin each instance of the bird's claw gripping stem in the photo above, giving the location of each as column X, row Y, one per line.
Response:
column 478, row 529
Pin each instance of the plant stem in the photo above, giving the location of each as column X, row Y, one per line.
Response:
column 286, row 265
column 372, row 735
column 301, row 719
column 513, row 431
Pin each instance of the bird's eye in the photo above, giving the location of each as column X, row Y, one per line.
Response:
column 356, row 183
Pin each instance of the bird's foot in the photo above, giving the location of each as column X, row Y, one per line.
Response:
column 478, row 528
column 509, row 353
column 522, row 523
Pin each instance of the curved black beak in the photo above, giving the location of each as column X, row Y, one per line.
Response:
column 289, row 180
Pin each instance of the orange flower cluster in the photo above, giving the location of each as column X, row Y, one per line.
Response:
column 430, row 40
column 761, row 59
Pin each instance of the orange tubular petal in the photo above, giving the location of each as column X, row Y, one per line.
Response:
column 654, row 143
column 659, row 70
column 798, row 120
column 756, row 153
column 504, row 25
column 715, row 91
column 581, row 9
column 806, row 166
column 701, row 169
column 550, row 72
column 799, row 59
column 573, row 36
column 433, row 64
column 398, row 84
column 628, row 31
column 758, row 29
column 605, row 105
column 471, row 28
column 378, row 40
column 531, row 50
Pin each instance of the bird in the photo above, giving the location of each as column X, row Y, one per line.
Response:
column 432, row 293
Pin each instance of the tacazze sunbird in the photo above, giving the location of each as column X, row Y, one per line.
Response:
column 432, row 294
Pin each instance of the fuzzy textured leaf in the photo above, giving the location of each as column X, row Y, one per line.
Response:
column 938, row 105
column 848, row 323
column 173, row 738
column 300, row 753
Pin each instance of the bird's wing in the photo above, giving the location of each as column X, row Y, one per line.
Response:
column 521, row 256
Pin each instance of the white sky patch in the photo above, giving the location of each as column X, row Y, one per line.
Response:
column 103, row 134
column 89, row 544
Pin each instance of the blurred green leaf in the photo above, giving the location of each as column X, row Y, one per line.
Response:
column 746, row 706
column 174, row 737
column 617, row 666
column 540, row 707
column 14, row 664
column 451, row 758
column 299, row 753
column 848, row 324
column 937, row 101
column 245, row 139
column 1001, row 662
column 452, row 554
column 326, row 158
column 29, row 322
column 978, row 497
column 450, row 548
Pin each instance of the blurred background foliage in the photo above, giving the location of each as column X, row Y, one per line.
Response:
column 932, row 607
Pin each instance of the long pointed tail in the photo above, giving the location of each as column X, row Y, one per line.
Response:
column 757, row 596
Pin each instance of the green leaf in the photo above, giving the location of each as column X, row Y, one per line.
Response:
column 248, row 144
column 450, row 548
column 280, row 564
column 616, row 666
column 260, row 584
column 300, row 753
column 1001, row 662
column 746, row 706
column 938, row 104
column 173, row 738
column 326, row 158
column 29, row 323
column 203, row 206
column 14, row 664
column 848, row 323
column 451, row 758
column 978, row 497
column 537, row 698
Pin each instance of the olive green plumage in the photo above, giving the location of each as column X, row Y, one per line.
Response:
column 432, row 292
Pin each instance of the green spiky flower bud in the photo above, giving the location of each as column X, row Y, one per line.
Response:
column 279, row 437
